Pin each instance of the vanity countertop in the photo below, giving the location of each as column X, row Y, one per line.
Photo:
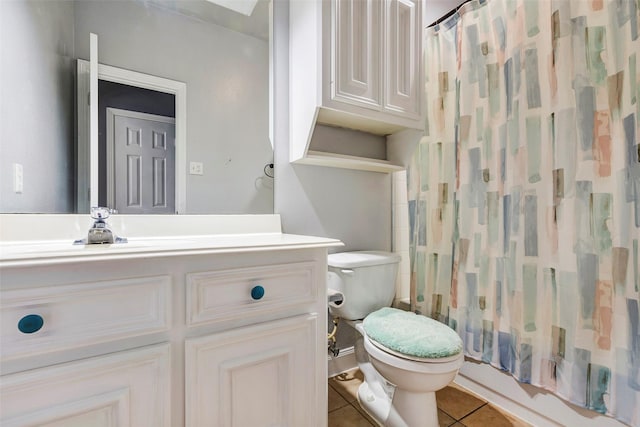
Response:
column 46, row 239
column 56, row 252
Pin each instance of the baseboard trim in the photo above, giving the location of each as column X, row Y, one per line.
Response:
column 532, row 404
column 344, row 361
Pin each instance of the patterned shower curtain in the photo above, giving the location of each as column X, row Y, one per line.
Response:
column 524, row 194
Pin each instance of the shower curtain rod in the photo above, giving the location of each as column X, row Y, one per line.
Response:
column 453, row 12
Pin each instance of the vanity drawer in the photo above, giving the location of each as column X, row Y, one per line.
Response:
column 55, row 318
column 245, row 292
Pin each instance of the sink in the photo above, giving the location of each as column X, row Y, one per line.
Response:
column 11, row 251
column 50, row 249
column 56, row 248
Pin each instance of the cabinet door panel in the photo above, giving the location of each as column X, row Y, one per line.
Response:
column 105, row 410
column 402, row 56
column 357, row 52
column 124, row 389
column 261, row 375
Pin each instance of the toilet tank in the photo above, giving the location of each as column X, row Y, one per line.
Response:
column 366, row 279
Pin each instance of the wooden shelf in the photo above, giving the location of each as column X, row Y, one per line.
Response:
column 320, row 158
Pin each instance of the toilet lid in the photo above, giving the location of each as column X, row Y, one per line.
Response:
column 411, row 334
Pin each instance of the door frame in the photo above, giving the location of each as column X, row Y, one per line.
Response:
column 111, row 146
column 145, row 81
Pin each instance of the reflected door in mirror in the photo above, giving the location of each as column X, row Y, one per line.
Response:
column 142, row 176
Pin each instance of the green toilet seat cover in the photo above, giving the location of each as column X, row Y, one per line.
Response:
column 412, row 334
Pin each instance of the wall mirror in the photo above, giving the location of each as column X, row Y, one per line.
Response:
column 220, row 56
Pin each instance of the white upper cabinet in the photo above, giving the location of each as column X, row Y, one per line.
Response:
column 402, row 47
column 354, row 64
column 356, row 67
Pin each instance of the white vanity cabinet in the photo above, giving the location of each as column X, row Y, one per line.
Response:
column 208, row 333
column 355, row 64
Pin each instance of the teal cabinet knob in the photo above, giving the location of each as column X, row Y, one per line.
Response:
column 30, row 323
column 257, row 292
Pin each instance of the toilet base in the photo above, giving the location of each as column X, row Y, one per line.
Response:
column 376, row 407
column 417, row 409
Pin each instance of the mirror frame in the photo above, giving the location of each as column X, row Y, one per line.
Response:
column 84, row 148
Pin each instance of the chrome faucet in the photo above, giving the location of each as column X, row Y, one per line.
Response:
column 100, row 233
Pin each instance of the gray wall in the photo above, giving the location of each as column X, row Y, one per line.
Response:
column 36, row 105
column 227, row 93
column 353, row 206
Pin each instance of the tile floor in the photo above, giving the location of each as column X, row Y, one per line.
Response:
column 456, row 407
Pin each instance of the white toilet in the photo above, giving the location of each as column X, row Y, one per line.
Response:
column 404, row 357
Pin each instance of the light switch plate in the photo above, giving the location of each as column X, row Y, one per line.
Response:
column 196, row 168
column 18, row 178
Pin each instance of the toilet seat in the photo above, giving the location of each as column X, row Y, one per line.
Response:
column 411, row 336
column 424, row 366
column 414, row 358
